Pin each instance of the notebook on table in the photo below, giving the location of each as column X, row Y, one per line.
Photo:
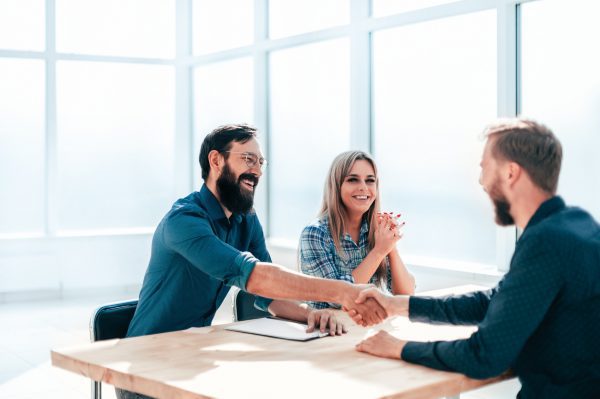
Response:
column 276, row 328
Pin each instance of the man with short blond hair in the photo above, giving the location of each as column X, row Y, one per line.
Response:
column 543, row 319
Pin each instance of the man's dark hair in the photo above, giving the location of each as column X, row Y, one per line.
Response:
column 531, row 145
column 221, row 139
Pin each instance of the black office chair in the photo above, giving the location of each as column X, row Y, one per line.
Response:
column 107, row 322
column 243, row 307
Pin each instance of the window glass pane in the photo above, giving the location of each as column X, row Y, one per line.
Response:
column 310, row 101
column 221, row 25
column 22, row 24
column 115, row 144
column 434, row 91
column 287, row 18
column 390, row 7
column 22, row 154
column 561, row 88
column 136, row 28
column 223, row 93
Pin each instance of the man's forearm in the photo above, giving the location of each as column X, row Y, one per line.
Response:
column 274, row 281
column 288, row 310
column 466, row 309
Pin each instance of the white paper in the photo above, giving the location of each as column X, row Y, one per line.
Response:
column 276, row 328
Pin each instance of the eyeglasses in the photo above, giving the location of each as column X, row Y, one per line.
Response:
column 250, row 158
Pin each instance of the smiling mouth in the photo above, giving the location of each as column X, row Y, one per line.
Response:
column 361, row 197
column 249, row 184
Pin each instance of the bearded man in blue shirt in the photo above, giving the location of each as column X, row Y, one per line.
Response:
column 543, row 319
column 212, row 240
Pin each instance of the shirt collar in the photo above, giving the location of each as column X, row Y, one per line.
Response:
column 548, row 208
column 213, row 207
column 364, row 231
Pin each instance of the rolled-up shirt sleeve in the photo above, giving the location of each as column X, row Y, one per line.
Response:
column 190, row 234
column 258, row 247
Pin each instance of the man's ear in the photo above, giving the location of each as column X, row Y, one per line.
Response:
column 513, row 173
column 215, row 160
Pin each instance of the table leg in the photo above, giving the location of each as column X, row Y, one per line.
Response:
column 96, row 390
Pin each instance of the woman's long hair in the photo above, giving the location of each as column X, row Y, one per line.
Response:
column 334, row 209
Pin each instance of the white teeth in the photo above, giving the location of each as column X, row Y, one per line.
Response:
column 361, row 197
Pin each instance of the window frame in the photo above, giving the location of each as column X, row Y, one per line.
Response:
column 359, row 32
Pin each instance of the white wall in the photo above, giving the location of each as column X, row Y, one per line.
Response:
column 66, row 266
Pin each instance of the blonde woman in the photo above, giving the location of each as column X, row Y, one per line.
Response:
column 351, row 240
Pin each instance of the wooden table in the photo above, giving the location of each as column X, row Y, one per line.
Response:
column 213, row 362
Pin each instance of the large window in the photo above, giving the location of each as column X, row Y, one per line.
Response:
column 131, row 28
column 310, row 88
column 22, row 152
column 88, row 116
column 434, row 87
column 115, row 144
column 22, row 24
column 390, row 7
column 222, row 25
column 561, row 87
column 224, row 93
column 104, row 104
column 287, row 18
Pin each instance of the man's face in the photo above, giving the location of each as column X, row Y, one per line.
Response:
column 237, row 183
column 490, row 180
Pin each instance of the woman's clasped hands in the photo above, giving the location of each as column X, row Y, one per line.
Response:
column 388, row 231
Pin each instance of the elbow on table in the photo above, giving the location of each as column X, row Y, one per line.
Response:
column 486, row 370
column 413, row 285
column 409, row 286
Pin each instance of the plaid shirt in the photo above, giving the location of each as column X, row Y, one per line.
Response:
column 319, row 257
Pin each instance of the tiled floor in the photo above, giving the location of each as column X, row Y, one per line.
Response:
column 28, row 331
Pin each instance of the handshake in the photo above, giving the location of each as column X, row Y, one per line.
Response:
column 367, row 305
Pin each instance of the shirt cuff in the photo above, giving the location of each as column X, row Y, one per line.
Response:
column 245, row 262
column 415, row 351
column 419, row 308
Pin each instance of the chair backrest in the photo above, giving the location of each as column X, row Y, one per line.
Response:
column 112, row 320
column 243, row 307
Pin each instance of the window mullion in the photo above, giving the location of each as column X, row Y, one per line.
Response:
column 51, row 161
column 261, row 105
column 360, row 77
column 507, row 104
column 184, row 151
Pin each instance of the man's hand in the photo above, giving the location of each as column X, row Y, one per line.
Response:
column 394, row 305
column 366, row 313
column 382, row 344
column 324, row 319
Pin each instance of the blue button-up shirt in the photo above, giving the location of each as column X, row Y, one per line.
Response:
column 543, row 318
column 319, row 256
column 197, row 255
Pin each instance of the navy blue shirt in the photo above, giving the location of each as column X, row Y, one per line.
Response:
column 543, row 318
column 197, row 255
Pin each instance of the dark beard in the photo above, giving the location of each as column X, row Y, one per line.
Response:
column 232, row 195
column 501, row 207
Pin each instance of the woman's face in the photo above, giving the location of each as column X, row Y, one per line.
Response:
column 359, row 188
